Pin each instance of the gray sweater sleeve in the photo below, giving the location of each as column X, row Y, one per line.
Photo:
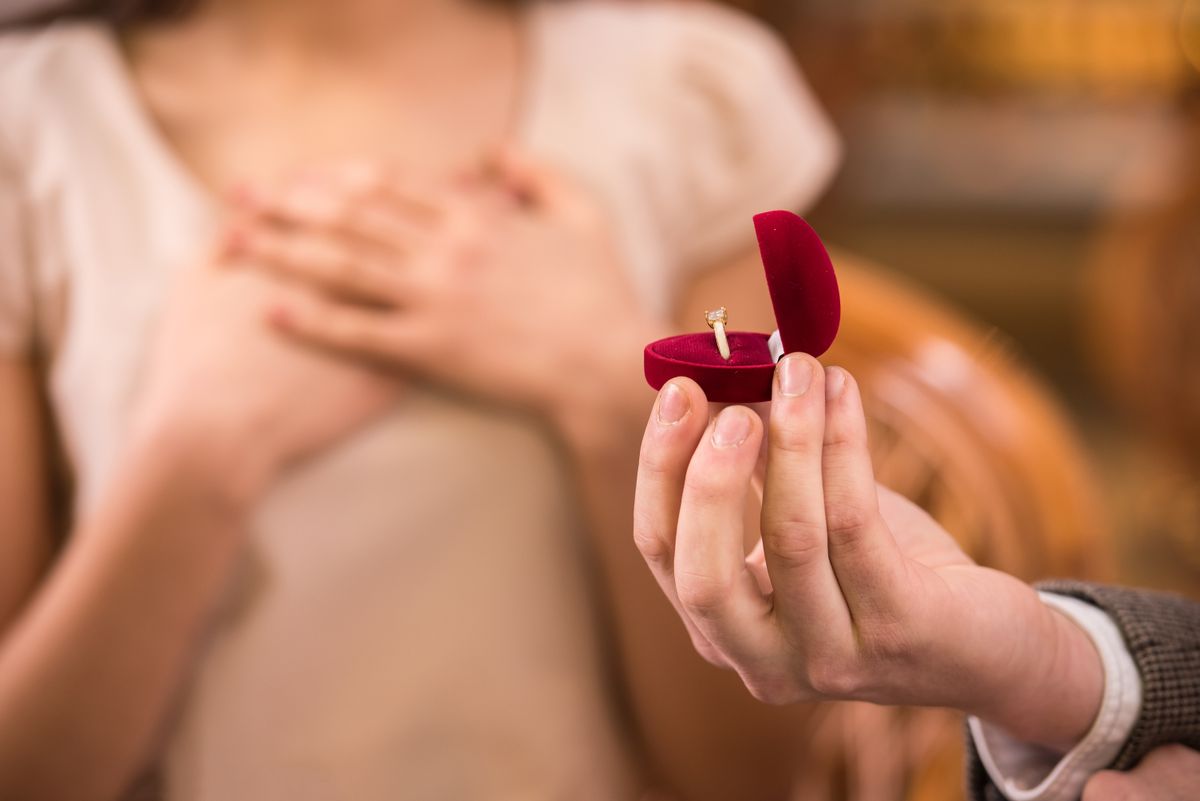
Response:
column 1162, row 633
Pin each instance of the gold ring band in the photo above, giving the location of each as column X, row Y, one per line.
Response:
column 717, row 320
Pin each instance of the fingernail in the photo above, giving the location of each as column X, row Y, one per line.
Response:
column 673, row 405
column 795, row 376
column 835, row 382
column 732, row 428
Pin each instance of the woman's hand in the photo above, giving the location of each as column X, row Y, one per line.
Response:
column 499, row 286
column 235, row 399
column 856, row 593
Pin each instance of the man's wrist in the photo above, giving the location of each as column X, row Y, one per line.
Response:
column 1025, row 772
column 1051, row 692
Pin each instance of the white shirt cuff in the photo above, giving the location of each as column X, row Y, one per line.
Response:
column 1026, row 772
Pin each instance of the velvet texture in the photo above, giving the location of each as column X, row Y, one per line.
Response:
column 804, row 294
column 745, row 378
column 804, row 290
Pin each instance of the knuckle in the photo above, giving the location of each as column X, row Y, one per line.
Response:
column 652, row 462
column 835, row 683
column 845, row 518
column 766, row 692
column 651, row 544
column 706, row 488
column 702, row 595
column 708, row 652
column 840, row 436
column 832, row 678
column 772, row 687
column 795, row 544
column 844, row 429
column 791, row 433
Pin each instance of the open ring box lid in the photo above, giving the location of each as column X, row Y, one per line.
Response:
column 804, row 294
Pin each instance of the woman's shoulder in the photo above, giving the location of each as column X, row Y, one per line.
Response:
column 38, row 53
column 707, row 98
column 42, row 66
column 674, row 63
column 662, row 34
column 693, row 67
column 648, row 22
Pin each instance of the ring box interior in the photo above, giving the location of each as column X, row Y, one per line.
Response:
column 804, row 295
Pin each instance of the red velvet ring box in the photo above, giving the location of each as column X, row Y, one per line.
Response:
column 804, row 294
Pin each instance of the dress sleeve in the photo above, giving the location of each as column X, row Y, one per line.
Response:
column 748, row 134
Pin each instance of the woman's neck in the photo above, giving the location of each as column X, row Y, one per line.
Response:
column 292, row 38
column 250, row 89
column 340, row 29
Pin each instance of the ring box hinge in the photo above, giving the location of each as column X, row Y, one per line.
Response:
column 775, row 345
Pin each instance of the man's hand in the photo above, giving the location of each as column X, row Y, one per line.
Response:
column 852, row 592
column 1169, row 773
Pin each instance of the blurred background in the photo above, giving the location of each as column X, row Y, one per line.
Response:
column 1036, row 163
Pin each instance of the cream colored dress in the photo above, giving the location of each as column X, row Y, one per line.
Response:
column 414, row 620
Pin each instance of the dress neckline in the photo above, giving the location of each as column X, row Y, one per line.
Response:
column 152, row 141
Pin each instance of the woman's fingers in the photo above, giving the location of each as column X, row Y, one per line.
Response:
column 423, row 200
column 324, row 261
column 862, row 550
column 716, row 590
column 542, row 185
column 808, row 599
column 370, row 204
column 376, row 334
column 677, row 422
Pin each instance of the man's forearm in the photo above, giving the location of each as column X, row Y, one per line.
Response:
column 1042, row 679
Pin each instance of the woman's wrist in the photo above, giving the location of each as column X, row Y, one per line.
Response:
column 214, row 463
column 604, row 397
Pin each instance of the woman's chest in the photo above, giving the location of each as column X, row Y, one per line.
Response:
column 261, row 135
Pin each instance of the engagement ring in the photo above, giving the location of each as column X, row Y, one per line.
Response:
column 717, row 320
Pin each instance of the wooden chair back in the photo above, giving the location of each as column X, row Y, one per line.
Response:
column 959, row 426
